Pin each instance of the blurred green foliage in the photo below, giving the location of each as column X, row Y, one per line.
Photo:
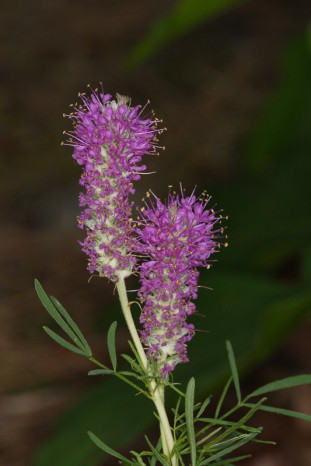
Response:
column 285, row 126
column 273, row 199
column 185, row 16
column 261, row 284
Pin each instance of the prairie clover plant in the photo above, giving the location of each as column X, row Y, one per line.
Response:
column 109, row 140
column 164, row 248
column 176, row 239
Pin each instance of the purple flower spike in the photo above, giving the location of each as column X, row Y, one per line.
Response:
column 178, row 238
column 109, row 139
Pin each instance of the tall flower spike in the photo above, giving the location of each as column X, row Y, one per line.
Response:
column 109, row 139
column 178, row 238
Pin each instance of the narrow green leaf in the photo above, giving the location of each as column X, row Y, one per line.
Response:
column 138, row 456
column 111, row 341
column 47, row 303
column 226, row 451
column 101, row 372
column 173, row 387
column 232, row 440
column 222, row 397
column 128, row 358
column 130, row 374
column 107, row 449
column 131, row 361
column 221, row 422
column 176, row 412
column 204, row 439
column 139, row 362
column 205, row 403
column 284, row 412
column 72, row 323
column 234, row 370
column 231, row 461
column 283, row 383
column 158, row 449
column 189, row 403
column 238, row 425
column 156, row 453
column 265, row 442
column 63, row 342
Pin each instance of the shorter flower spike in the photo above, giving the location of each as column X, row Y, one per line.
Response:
column 109, row 139
column 177, row 237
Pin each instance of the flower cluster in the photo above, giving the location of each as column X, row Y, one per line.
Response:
column 177, row 238
column 109, row 140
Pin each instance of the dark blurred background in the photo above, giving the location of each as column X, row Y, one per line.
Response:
column 232, row 82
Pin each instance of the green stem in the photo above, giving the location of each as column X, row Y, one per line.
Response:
column 156, row 390
column 121, row 377
column 163, row 436
column 130, row 322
